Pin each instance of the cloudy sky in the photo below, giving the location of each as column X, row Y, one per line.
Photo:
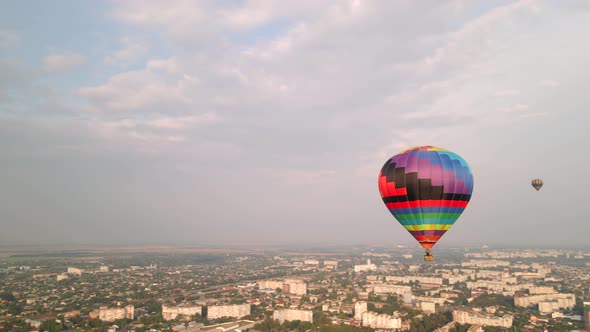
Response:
column 234, row 121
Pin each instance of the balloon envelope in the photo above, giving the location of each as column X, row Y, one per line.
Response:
column 426, row 189
column 537, row 184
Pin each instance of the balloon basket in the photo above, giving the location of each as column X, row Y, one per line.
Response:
column 428, row 257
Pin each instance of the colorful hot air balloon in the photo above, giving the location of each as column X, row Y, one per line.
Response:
column 426, row 189
column 537, row 184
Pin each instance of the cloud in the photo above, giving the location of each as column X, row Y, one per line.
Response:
column 534, row 115
column 298, row 177
column 185, row 122
column 139, row 90
column 8, row 38
column 515, row 108
column 549, row 83
column 132, row 51
column 156, row 130
column 56, row 63
column 294, row 106
column 506, row 93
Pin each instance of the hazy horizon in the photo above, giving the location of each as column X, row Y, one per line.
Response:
column 219, row 122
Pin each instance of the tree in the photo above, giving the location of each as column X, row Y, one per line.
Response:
column 7, row 296
column 50, row 325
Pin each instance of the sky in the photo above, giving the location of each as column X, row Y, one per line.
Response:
column 267, row 122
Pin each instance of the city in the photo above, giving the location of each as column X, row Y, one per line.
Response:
column 370, row 288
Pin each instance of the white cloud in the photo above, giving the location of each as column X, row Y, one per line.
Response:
column 506, row 93
column 298, row 177
column 549, row 83
column 140, row 90
column 313, row 94
column 515, row 108
column 334, row 62
column 534, row 115
column 63, row 62
column 8, row 38
column 132, row 51
column 185, row 121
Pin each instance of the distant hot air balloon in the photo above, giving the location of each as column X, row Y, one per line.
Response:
column 537, row 184
column 426, row 189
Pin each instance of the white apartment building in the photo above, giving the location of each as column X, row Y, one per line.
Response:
column 112, row 314
column 365, row 268
column 270, row 284
column 485, row 263
column 551, row 302
column 408, row 279
column 541, row 290
column 380, row 321
column 475, row 318
column 455, row 279
column 360, row 307
column 437, row 300
column 292, row 315
column 498, row 286
column 234, row 310
column 292, row 286
column 391, row 289
column 171, row 312
column 428, row 307
column 295, row 286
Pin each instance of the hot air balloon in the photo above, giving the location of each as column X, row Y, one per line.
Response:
column 537, row 184
column 426, row 189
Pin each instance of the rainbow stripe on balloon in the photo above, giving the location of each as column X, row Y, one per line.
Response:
column 426, row 189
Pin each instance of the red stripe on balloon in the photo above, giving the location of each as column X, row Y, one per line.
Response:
column 426, row 203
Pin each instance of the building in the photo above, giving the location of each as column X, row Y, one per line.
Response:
column 103, row 268
column 331, row 265
column 541, row 290
column 292, row 315
column 294, row 286
column 391, row 289
column 455, row 279
column 75, row 271
column 72, row 314
column 171, row 312
column 360, row 307
column 408, row 279
column 476, row 318
column 475, row 328
column 485, row 263
column 234, row 310
column 446, row 328
column 498, row 286
column 380, row 321
column 547, row 302
column 365, row 268
column 61, row 277
column 270, row 284
column 428, row 307
column 435, row 300
column 407, row 297
column 587, row 315
column 311, row 262
column 547, row 307
column 112, row 314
